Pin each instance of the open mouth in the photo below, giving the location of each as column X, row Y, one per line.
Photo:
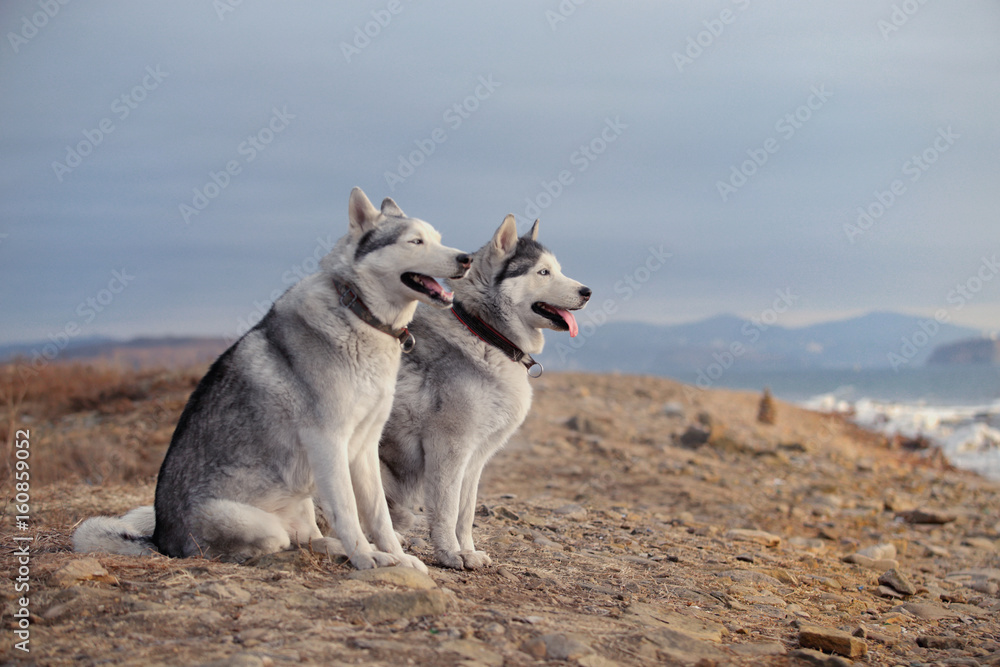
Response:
column 427, row 285
column 561, row 319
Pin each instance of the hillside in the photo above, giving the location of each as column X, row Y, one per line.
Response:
column 632, row 521
column 974, row 351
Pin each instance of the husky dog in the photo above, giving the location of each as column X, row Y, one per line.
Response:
column 295, row 408
column 464, row 391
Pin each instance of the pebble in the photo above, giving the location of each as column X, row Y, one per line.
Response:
column 831, row 640
column 879, row 551
column 757, row 536
column 924, row 515
column 405, row 577
column 940, row 642
column 812, row 657
column 81, row 569
column 895, row 580
column 391, row 606
column 556, row 647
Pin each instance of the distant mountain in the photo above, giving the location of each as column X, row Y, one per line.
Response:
column 976, row 351
column 136, row 353
column 875, row 340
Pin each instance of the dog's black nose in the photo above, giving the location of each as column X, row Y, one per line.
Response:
column 585, row 292
column 464, row 260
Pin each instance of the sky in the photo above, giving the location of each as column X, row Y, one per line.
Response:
column 171, row 168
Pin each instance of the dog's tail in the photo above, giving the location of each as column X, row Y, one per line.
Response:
column 129, row 535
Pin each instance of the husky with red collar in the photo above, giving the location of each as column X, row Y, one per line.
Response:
column 294, row 410
column 466, row 388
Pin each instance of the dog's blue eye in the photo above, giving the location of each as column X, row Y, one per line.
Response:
column 543, row 272
column 417, row 241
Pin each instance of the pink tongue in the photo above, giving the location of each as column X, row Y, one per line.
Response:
column 570, row 320
column 433, row 287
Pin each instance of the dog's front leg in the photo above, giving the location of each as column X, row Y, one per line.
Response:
column 472, row 558
column 329, row 460
column 445, row 468
column 368, row 490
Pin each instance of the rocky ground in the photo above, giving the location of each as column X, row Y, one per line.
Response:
column 632, row 521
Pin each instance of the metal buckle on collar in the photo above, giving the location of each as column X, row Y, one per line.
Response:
column 408, row 343
column 354, row 297
column 532, row 373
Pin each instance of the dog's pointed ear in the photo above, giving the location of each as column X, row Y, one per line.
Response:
column 505, row 240
column 532, row 234
column 390, row 208
column 361, row 213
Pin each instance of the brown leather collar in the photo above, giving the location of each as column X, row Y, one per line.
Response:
column 350, row 299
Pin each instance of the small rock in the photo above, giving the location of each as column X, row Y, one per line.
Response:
column 404, row 604
column 940, row 642
column 81, row 569
column 925, row 515
column 871, row 563
column 886, row 550
column 781, row 574
column 673, row 410
column 758, row 536
column 887, row 592
column 573, row 512
column 405, row 577
column 831, row 640
column 894, row 579
column 766, row 412
column 695, row 436
column 926, row 611
column 746, row 558
column 591, row 425
column 505, row 513
column 556, row 647
column 811, row 657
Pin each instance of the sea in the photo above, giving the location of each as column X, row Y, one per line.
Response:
column 956, row 408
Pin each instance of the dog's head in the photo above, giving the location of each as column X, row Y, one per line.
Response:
column 518, row 283
column 399, row 255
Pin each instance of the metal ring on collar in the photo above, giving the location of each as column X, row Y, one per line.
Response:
column 408, row 343
column 532, row 373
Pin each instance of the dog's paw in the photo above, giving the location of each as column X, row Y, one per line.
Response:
column 373, row 559
column 451, row 559
column 474, row 560
column 412, row 561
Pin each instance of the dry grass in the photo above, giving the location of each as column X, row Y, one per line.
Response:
column 60, row 405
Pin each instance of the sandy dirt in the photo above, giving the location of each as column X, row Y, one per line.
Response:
column 631, row 521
